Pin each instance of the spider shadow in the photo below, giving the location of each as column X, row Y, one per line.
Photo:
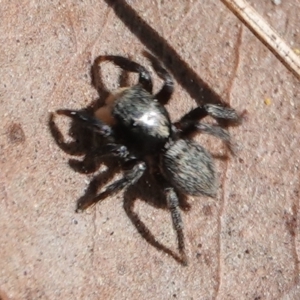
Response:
column 148, row 189
column 159, row 49
column 83, row 143
column 195, row 86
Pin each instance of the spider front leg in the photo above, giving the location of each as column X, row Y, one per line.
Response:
column 130, row 177
column 90, row 121
column 131, row 66
column 116, row 150
column 173, row 205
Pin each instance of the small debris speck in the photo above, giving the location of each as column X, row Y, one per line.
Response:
column 268, row 101
column 297, row 51
column 276, row 2
column 16, row 134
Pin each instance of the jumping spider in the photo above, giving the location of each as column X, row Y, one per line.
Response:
column 138, row 131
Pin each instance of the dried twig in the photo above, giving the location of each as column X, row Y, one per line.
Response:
column 266, row 34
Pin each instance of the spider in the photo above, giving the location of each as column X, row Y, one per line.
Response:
column 137, row 130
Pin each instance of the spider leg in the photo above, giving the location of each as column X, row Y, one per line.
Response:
column 190, row 123
column 131, row 66
column 90, row 121
column 218, row 112
column 218, row 132
column 116, row 150
column 173, row 205
column 164, row 95
column 214, row 130
column 130, row 177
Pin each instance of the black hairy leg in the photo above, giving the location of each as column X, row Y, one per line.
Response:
column 130, row 177
column 164, row 95
column 131, row 66
column 89, row 121
column 213, row 130
column 173, row 205
column 218, row 132
column 216, row 111
column 116, row 150
column 190, row 123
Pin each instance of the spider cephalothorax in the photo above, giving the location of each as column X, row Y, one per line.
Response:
column 137, row 129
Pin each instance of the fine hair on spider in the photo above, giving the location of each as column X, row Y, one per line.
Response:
column 137, row 131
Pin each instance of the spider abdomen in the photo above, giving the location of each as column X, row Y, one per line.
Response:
column 190, row 168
